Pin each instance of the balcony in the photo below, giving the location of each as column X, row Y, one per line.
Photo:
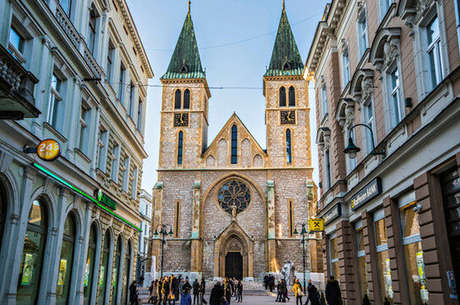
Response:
column 16, row 89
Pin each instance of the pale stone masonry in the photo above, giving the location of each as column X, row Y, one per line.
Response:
column 253, row 234
column 392, row 66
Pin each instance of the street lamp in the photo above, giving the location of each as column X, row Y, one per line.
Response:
column 303, row 232
column 163, row 232
column 351, row 150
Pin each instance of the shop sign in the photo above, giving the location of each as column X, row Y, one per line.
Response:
column 102, row 198
column 332, row 214
column 366, row 194
column 316, row 225
column 48, row 150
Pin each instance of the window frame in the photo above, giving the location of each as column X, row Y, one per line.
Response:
column 362, row 28
column 370, row 139
column 84, row 128
column 234, row 145
column 288, row 135
column 324, row 106
column 55, row 100
column 180, row 148
column 282, row 97
column 115, row 169
column 103, row 147
column 345, row 61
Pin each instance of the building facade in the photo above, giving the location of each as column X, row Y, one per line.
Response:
column 391, row 213
column 69, row 228
column 145, row 209
column 232, row 206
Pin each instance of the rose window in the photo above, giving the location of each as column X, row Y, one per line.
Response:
column 234, row 194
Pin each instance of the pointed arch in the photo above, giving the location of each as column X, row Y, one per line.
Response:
column 282, row 101
column 291, row 96
column 178, row 99
column 187, row 99
column 92, row 257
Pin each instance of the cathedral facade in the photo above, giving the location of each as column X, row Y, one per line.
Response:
column 232, row 206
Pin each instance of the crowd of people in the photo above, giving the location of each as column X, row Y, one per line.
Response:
column 170, row 290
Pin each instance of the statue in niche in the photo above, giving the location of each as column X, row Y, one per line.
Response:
column 288, row 272
column 234, row 212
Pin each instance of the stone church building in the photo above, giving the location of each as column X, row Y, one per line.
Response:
column 231, row 204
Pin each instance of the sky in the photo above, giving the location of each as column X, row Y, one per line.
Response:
column 235, row 39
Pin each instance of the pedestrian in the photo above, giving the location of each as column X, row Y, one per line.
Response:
column 266, row 281
column 159, row 287
column 174, row 294
column 166, row 291
column 185, row 298
column 227, row 290
column 217, row 293
column 196, row 290
column 133, row 297
column 239, row 291
column 186, row 285
column 285, row 289
column 141, row 279
column 333, row 294
column 153, row 292
column 298, row 292
column 271, row 282
column 202, row 292
column 313, row 295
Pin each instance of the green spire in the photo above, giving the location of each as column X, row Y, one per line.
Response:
column 185, row 62
column 286, row 58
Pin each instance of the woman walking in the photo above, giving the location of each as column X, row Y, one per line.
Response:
column 298, row 292
column 153, row 292
column 133, row 297
column 201, row 291
column 239, row 292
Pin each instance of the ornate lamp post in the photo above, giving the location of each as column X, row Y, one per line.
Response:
column 164, row 228
column 351, row 150
column 303, row 232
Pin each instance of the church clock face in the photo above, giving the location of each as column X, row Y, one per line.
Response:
column 287, row 117
column 180, row 119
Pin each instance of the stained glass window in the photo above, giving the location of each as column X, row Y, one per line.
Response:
column 234, row 193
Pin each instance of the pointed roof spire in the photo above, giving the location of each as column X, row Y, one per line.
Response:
column 185, row 62
column 286, row 58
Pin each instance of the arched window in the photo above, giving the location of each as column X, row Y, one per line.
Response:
column 66, row 262
column 234, row 144
column 291, row 97
column 116, row 271
column 126, row 277
column 187, row 99
column 288, row 147
column 89, row 267
column 104, row 270
column 180, row 147
column 178, row 102
column 32, row 255
column 282, row 97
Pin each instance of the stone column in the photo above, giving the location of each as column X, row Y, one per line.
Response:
column 197, row 245
column 155, row 245
column 346, row 262
column 271, row 264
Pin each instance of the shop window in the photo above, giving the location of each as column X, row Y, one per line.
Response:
column 32, row 255
column 66, row 261
column 282, row 101
column 104, row 269
column 334, row 257
column 126, row 278
column 89, row 267
column 234, row 144
column 362, row 265
column 116, row 271
column 383, row 259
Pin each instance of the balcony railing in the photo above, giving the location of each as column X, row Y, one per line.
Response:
column 16, row 88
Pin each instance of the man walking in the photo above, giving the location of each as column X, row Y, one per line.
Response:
column 195, row 288
column 333, row 294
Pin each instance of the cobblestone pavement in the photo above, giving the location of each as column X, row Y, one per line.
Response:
column 262, row 300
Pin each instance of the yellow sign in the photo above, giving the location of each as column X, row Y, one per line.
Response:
column 49, row 150
column 316, row 225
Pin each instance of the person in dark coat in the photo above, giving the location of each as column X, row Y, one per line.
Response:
column 271, row 282
column 313, row 294
column 239, row 292
column 202, row 291
column 165, row 290
column 266, row 281
column 333, row 294
column 217, row 293
column 185, row 298
column 133, row 297
column 175, row 282
column 196, row 291
column 186, row 285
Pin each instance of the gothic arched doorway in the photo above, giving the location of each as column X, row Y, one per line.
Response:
column 234, row 260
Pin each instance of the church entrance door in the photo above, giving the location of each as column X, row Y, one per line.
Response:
column 234, row 265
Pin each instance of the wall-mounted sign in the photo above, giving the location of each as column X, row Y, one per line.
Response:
column 316, row 225
column 49, row 150
column 332, row 214
column 366, row 194
column 105, row 200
